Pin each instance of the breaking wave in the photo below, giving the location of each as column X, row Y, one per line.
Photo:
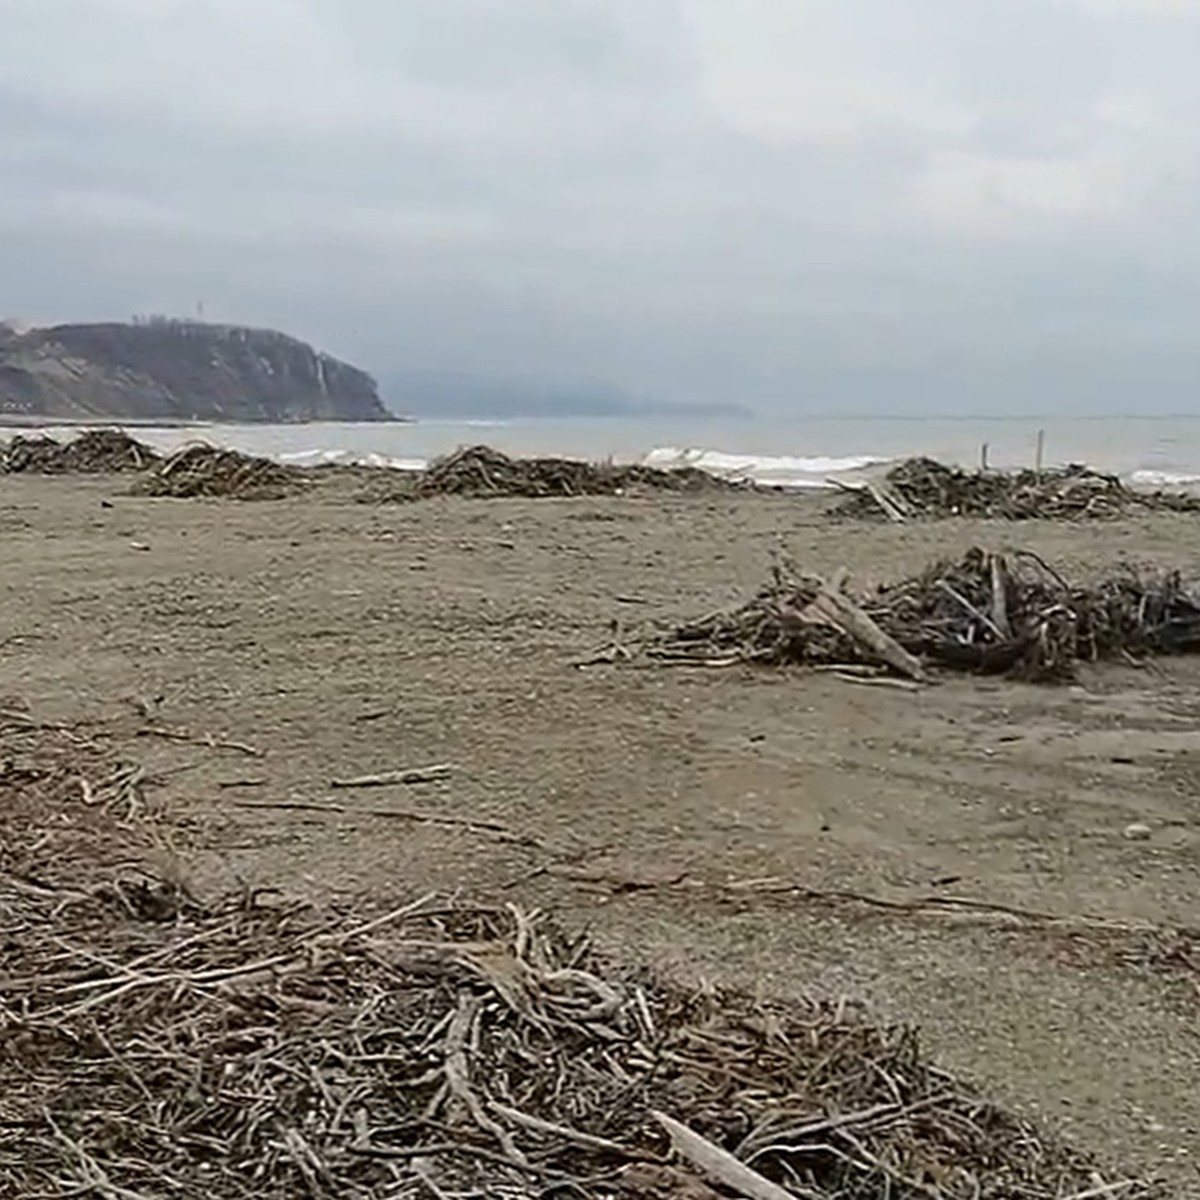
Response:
column 773, row 470
column 1164, row 479
column 782, row 471
column 349, row 458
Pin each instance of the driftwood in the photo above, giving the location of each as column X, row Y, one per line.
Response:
column 922, row 487
column 843, row 613
column 985, row 613
column 202, row 470
column 999, row 607
column 895, row 507
column 155, row 1044
column 878, row 681
column 97, row 451
column 483, row 472
column 722, row 1167
column 406, row 775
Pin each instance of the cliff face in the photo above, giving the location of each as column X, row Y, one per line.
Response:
column 178, row 370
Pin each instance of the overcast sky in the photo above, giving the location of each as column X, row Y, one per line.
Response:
column 801, row 205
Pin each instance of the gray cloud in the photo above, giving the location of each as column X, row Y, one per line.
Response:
column 831, row 205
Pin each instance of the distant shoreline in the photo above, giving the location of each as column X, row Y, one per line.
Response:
column 25, row 421
column 17, row 421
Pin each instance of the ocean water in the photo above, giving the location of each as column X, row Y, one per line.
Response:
column 788, row 452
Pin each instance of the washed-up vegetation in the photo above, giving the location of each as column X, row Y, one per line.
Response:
column 202, row 470
column 985, row 612
column 923, row 488
column 155, row 1043
column 96, row 451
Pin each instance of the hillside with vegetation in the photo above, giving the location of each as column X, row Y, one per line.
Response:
column 169, row 370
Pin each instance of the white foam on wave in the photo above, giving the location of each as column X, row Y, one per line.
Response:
column 348, row 458
column 459, row 423
column 1164, row 479
column 776, row 470
column 771, row 470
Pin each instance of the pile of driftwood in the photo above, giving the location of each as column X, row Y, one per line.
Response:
column 154, row 1045
column 922, row 487
column 482, row 471
column 202, row 470
column 97, row 451
column 989, row 613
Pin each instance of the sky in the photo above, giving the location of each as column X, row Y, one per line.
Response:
column 803, row 206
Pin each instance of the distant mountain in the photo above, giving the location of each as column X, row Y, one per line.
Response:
column 456, row 397
column 168, row 370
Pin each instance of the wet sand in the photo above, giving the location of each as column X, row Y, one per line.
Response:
column 341, row 639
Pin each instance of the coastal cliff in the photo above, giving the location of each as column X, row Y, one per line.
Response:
column 168, row 370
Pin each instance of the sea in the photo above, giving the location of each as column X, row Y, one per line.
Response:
column 790, row 452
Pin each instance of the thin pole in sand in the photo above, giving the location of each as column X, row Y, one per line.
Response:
column 983, row 457
column 1041, row 450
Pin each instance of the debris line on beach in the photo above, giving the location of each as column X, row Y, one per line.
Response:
column 203, row 470
column 482, row 471
column 96, row 451
column 924, row 488
column 986, row 612
column 155, row 1044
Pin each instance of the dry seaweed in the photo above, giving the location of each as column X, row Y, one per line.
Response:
column 482, row 471
column 203, row 470
column 925, row 488
column 97, row 451
column 239, row 1049
column 986, row 613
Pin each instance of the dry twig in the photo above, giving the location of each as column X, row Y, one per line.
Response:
column 474, row 824
column 203, row 739
column 406, row 775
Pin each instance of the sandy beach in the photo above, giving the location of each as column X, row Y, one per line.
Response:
column 782, row 829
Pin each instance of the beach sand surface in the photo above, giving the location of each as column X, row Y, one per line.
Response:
column 729, row 824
